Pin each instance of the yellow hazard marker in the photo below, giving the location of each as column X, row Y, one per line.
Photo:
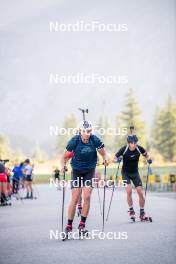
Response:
column 166, row 179
column 152, row 179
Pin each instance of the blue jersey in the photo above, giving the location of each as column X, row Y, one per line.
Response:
column 84, row 154
column 16, row 173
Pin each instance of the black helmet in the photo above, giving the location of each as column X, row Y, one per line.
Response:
column 132, row 139
column 27, row 161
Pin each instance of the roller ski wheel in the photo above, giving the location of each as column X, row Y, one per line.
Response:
column 133, row 219
column 6, row 204
column 144, row 218
column 33, row 198
column 82, row 231
column 66, row 233
column 25, row 198
column 132, row 215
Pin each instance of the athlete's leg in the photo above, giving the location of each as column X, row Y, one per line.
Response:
column 74, row 200
column 30, row 186
column 79, row 205
column 140, row 193
column 127, row 181
column 18, row 185
column 13, row 186
column 30, row 189
column 80, row 200
column 4, row 188
column 87, row 191
column 4, row 192
column 138, row 184
column 0, row 191
column 27, row 188
column 129, row 195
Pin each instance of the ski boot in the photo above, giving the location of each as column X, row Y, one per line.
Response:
column 32, row 197
column 67, row 232
column 82, row 231
column 4, row 201
column 27, row 196
column 132, row 215
column 145, row 218
column 8, row 200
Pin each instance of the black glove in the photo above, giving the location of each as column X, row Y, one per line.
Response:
column 119, row 159
column 149, row 161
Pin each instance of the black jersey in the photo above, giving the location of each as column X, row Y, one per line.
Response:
column 130, row 158
column 2, row 168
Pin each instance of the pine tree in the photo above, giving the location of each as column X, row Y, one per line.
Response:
column 164, row 130
column 131, row 116
column 18, row 155
column 39, row 154
column 5, row 150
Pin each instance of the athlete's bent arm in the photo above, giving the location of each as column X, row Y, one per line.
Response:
column 146, row 155
column 64, row 159
column 119, row 155
column 103, row 153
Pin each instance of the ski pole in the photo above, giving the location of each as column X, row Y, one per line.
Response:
column 83, row 112
column 104, row 196
column 131, row 129
column 112, row 194
column 149, row 172
column 99, row 198
column 63, row 199
column 35, row 189
column 18, row 194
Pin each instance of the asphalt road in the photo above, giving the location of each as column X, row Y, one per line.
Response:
column 25, row 230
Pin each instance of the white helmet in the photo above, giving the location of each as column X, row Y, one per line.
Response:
column 85, row 125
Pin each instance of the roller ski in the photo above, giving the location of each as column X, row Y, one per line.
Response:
column 33, row 197
column 132, row 215
column 29, row 197
column 6, row 204
column 67, row 233
column 144, row 218
column 5, row 201
column 82, row 231
column 26, row 197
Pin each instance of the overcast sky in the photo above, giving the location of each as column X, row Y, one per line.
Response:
column 29, row 52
